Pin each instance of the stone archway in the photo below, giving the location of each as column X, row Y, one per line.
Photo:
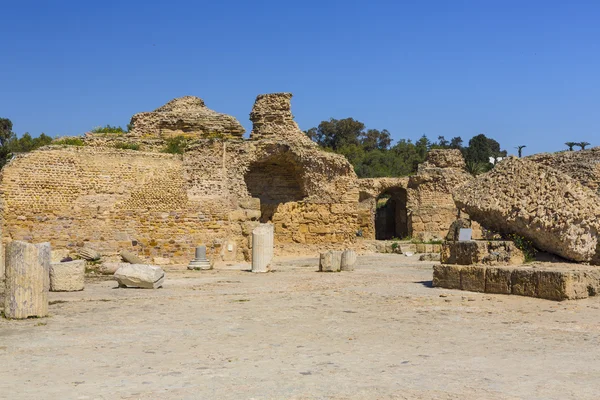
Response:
column 274, row 180
column 391, row 217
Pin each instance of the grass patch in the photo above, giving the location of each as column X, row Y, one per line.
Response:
column 175, row 145
column 69, row 142
column 127, row 146
column 108, row 129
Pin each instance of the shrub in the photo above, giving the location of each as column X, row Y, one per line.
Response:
column 175, row 145
column 525, row 245
column 127, row 146
column 70, row 142
column 108, row 129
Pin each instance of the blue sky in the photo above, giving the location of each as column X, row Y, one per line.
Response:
column 522, row 72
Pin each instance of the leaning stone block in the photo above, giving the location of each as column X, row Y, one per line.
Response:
column 348, row 260
column 67, row 276
column 330, row 261
column 27, row 280
column 140, row 275
column 472, row 278
column 498, row 280
column 131, row 258
column 446, row 276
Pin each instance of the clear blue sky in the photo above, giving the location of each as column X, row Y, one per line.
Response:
column 522, row 72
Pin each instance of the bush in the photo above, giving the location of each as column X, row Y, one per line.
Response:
column 175, row 145
column 70, row 142
column 127, row 146
column 525, row 245
column 108, row 129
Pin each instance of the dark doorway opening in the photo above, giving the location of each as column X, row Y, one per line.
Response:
column 391, row 217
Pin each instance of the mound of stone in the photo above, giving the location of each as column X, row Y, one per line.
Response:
column 140, row 275
column 556, row 212
column 188, row 116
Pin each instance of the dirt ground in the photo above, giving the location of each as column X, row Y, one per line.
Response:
column 380, row 332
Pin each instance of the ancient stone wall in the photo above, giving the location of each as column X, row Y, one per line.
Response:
column 162, row 205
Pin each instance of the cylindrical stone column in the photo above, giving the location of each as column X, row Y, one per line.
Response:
column 27, row 280
column 348, row 260
column 330, row 261
column 262, row 247
column 200, row 261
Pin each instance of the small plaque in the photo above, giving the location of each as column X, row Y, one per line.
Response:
column 464, row 234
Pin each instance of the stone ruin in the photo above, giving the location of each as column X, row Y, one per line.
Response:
column 160, row 206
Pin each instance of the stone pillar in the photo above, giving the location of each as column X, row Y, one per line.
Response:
column 67, row 276
column 330, row 261
column 200, row 261
column 27, row 280
column 348, row 260
column 262, row 247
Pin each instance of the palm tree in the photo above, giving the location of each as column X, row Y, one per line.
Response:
column 583, row 144
column 520, row 149
column 475, row 168
column 571, row 145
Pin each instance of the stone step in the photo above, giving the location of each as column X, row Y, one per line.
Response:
column 542, row 280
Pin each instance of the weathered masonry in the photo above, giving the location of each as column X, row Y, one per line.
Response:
column 163, row 205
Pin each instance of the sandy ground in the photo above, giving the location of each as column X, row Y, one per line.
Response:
column 380, row 332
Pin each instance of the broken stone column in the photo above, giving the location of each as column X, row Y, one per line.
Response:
column 348, row 260
column 262, row 247
column 200, row 261
column 27, row 280
column 330, row 261
column 67, row 276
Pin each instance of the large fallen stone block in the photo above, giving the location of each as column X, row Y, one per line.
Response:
column 488, row 252
column 67, row 276
column 556, row 212
column 140, row 275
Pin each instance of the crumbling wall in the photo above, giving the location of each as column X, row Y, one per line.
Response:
column 186, row 116
column 430, row 202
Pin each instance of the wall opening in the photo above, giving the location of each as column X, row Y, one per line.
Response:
column 391, row 217
column 274, row 181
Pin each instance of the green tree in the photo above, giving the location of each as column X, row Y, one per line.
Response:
column 570, row 145
column 6, row 136
column 334, row 134
column 481, row 148
column 583, row 145
column 456, row 143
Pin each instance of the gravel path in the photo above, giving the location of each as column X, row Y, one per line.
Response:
column 380, row 332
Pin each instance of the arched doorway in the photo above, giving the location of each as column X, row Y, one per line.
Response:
column 274, row 181
column 391, row 218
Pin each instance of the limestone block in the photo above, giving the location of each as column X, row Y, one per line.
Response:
column 472, row 252
column 131, row 258
column 27, row 280
column 551, row 285
column 523, row 282
column 348, row 260
column 446, row 276
column 67, row 276
column 262, row 247
column 140, row 275
column 330, row 261
column 472, row 278
column 498, row 280
column 408, row 248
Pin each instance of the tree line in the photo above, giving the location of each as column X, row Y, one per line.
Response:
column 10, row 144
column 371, row 153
